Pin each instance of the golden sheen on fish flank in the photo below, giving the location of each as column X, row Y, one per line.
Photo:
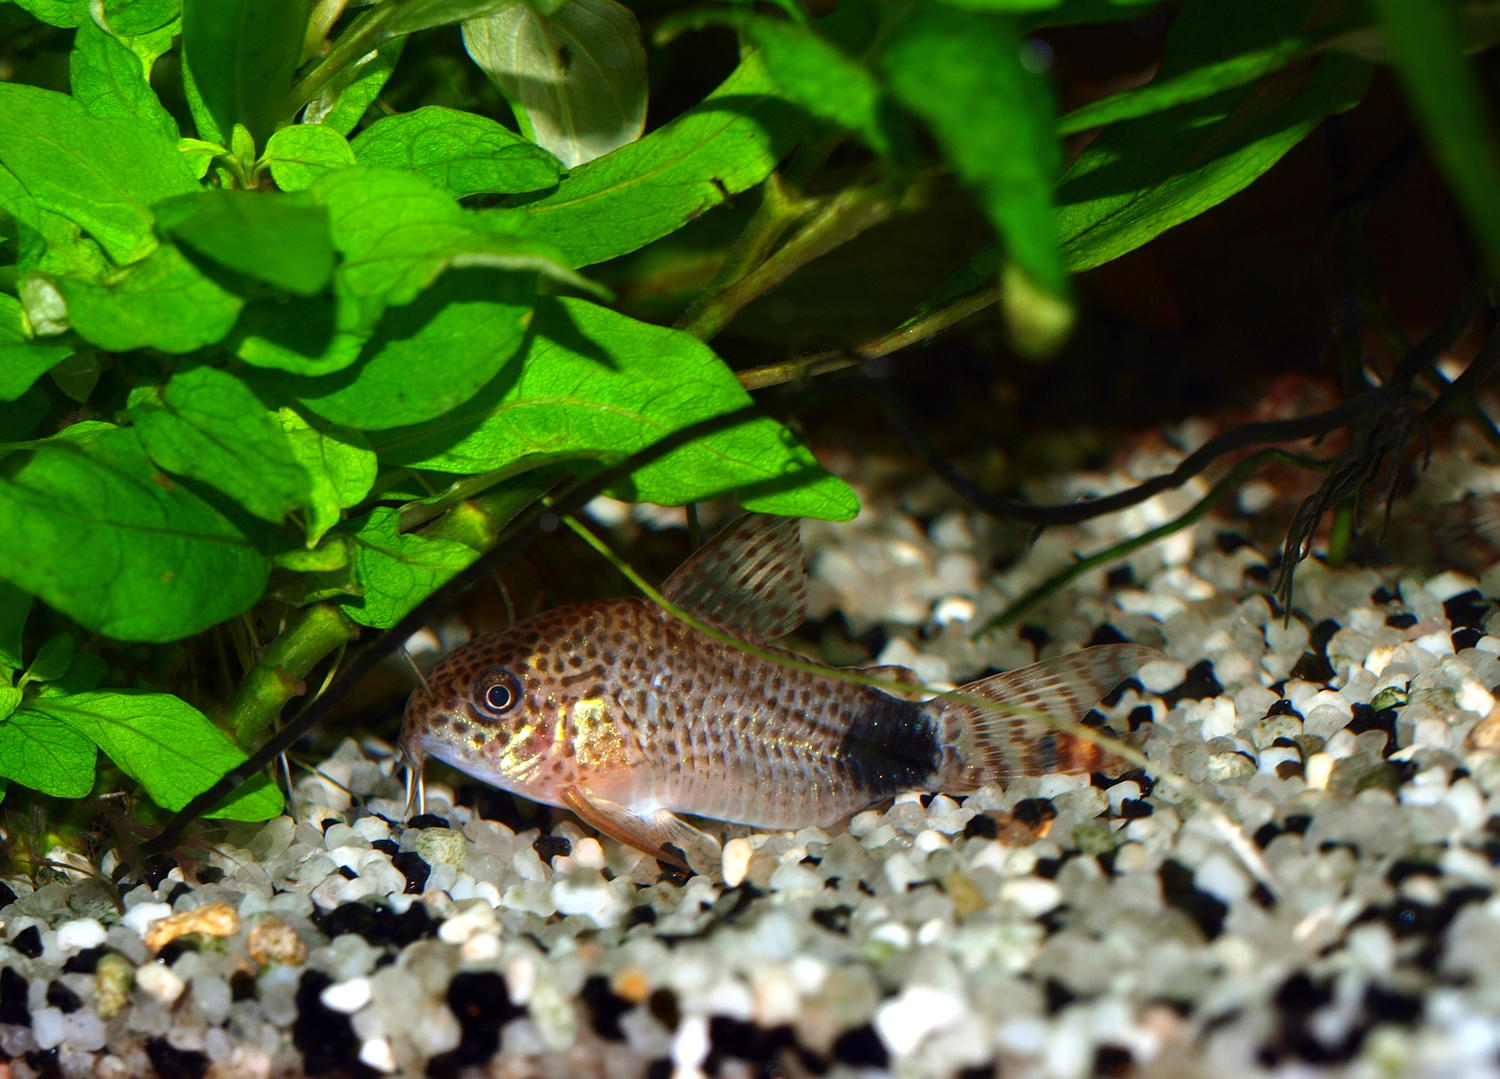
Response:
column 629, row 716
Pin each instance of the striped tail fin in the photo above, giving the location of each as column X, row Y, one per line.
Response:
column 984, row 745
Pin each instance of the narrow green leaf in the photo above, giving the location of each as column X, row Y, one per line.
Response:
column 595, row 385
column 283, row 240
column 409, row 16
column 424, row 358
column 655, row 185
column 164, row 744
column 299, row 154
column 576, row 78
column 110, row 81
column 163, row 301
column 396, row 571
column 344, row 102
column 22, row 359
column 961, row 73
column 147, row 560
column 15, row 605
column 199, row 154
column 1448, row 96
column 207, row 424
column 1142, row 177
column 241, row 55
column 461, row 152
column 46, row 755
column 103, row 174
column 340, row 467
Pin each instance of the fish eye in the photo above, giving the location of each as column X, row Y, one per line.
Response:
column 496, row 692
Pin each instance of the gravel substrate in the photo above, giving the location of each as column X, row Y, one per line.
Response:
column 1304, row 885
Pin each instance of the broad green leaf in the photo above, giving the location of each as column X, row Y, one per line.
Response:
column 241, row 55
column 961, row 73
column 15, row 605
column 162, row 301
column 199, row 154
column 409, row 16
column 598, row 386
column 655, row 185
column 424, row 358
column 576, row 78
column 110, row 81
column 45, row 240
column 1142, row 177
column 164, row 744
column 398, row 233
column 340, row 467
column 817, row 75
column 283, row 240
column 130, row 18
column 343, row 103
column 396, row 571
column 207, row 424
column 103, row 174
column 146, row 559
column 64, row 13
column 10, row 700
column 22, row 359
column 461, row 152
column 299, row 154
column 45, row 754
column 1448, row 96
column 52, row 659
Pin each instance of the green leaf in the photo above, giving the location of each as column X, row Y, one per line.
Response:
column 576, row 79
column 461, row 152
column 10, row 700
column 961, row 73
column 424, row 358
column 1142, row 177
column 207, row 424
column 241, row 55
column 64, row 13
column 299, row 154
column 164, row 744
column 409, row 16
column 655, row 185
column 22, row 359
column 110, row 81
column 199, row 154
column 44, row 754
column 146, row 559
column 343, row 103
column 15, row 605
column 340, row 467
column 103, row 174
column 52, row 659
column 131, row 18
column 1449, row 98
column 398, row 233
column 163, row 301
column 45, row 240
column 397, row 571
column 597, row 385
column 817, row 75
column 283, row 240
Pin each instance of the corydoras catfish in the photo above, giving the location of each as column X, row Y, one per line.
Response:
column 629, row 716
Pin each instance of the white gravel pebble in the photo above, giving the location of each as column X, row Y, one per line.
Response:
column 160, row 981
column 347, row 997
column 84, row 933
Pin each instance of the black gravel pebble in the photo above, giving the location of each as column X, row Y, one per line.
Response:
column 7, row 897
column 1283, row 707
column 1135, row 808
column 427, row 820
column 1314, row 666
column 414, row 869
column 85, row 962
column 606, row 1006
column 1106, row 634
column 834, row 919
column 1467, row 609
column 981, row 826
column 386, row 846
column 1200, row 683
column 1058, row 995
column 44, row 1063
column 1366, row 718
column 662, row 1003
column 174, row 950
column 1179, row 890
column 325, row 1038
column 329, row 822
column 1110, row 1060
column 1034, row 633
column 1466, row 637
column 1401, row 620
column 1139, row 716
column 210, row 874
column 861, row 1048
column 377, row 923
column 480, row 1000
column 640, row 915
column 62, row 998
column 28, row 942
column 171, row 1062
column 241, row 986
column 548, row 847
column 13, row 1006
column 1034, row 812
column 347, row 873
column 180, row 889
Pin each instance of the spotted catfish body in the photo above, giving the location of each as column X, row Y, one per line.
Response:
column 629, row 716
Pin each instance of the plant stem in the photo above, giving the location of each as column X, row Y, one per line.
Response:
column 841, row 218
column 277, row 676
column 903, row 336
column 365, row 36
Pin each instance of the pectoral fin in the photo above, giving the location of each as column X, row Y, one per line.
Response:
column 660, row 833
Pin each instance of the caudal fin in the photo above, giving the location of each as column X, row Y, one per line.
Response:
column 1014, row 739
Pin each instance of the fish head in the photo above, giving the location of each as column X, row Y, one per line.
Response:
column 526, row 709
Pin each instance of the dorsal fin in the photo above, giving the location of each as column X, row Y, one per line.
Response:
column 750, row 578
